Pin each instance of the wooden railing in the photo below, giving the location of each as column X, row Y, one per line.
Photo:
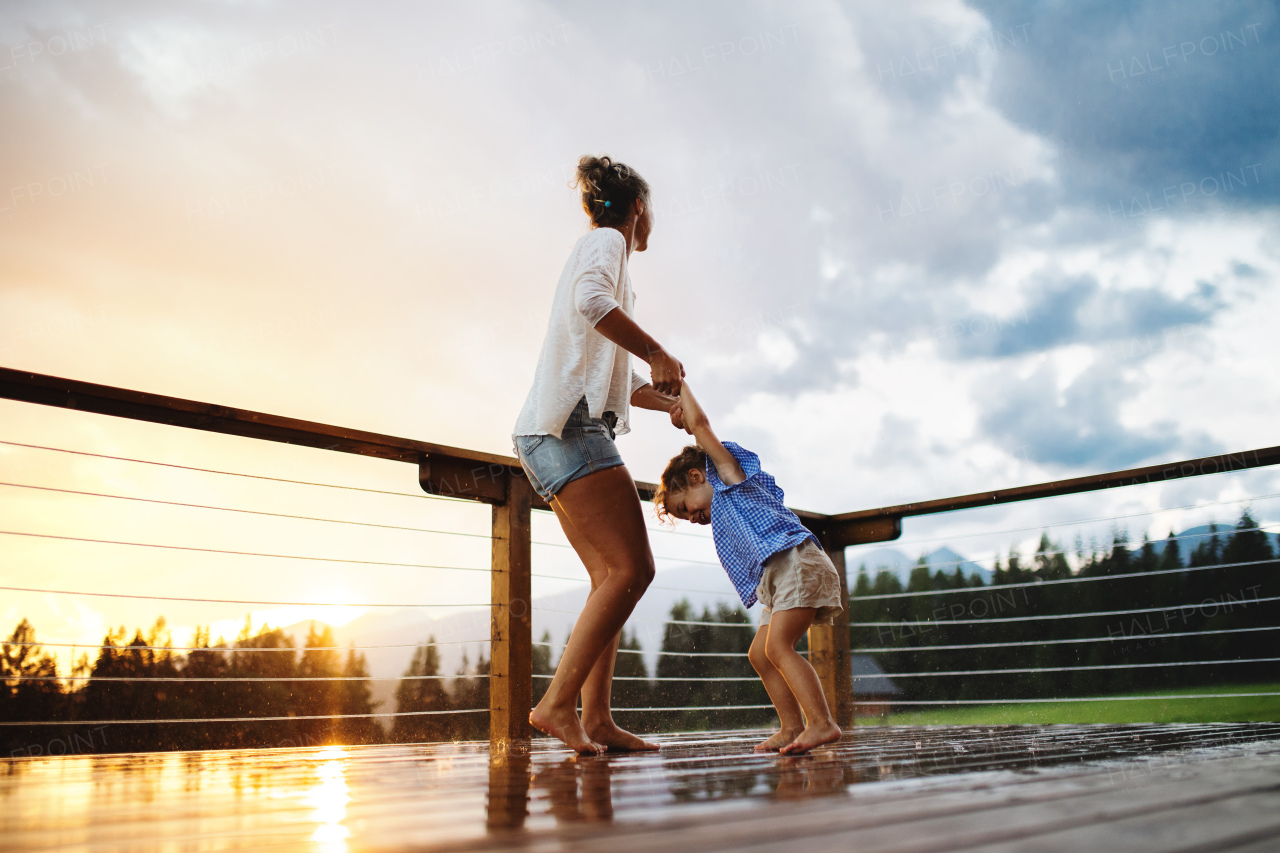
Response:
column 500, row 482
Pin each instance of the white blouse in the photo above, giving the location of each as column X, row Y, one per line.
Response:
column 576, row 360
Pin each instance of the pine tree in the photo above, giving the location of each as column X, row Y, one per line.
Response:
column 357, row 698
column 1247, row 543
column 629, row 665
column 470, row 691
column 319, row 698
column 274, row 695
column 21, row 658
column 1050, row 560
column 1171, row 556
column 421, row 690
column 1147, row 560
column 542, row 666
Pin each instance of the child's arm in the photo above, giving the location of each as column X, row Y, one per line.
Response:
column 695, row 420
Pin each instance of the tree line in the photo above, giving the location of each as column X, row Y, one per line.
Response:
column 316, row 694
column 1191, row 616
column 1196, row 609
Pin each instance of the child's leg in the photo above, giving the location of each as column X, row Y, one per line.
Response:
column 785, row 628
column 792, row 724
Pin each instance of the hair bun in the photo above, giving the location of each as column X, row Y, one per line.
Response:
column 608, row 189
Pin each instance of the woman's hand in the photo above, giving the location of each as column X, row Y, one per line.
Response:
column 667, row 373
column 677, row 418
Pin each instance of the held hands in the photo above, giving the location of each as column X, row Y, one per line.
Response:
column 677, row 417
column 687, row 414
column 667, row 373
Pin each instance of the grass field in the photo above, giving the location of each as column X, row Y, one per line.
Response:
column 1222, row 710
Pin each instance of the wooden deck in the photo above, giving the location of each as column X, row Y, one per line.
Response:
column 1145, row 787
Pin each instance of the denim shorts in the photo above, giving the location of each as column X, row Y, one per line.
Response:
column 584, row 447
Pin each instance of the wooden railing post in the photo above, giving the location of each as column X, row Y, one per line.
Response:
column 511, row 630
column 829, row 648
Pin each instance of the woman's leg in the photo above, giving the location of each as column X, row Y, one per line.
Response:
column 605, row 510
column 785, row 628
column 597, row 717
column 784, row 702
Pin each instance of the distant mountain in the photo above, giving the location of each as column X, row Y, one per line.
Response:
column 899, row 564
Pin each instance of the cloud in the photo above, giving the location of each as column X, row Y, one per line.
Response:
column 1079, row 426
column 1140, row 97
column 1075, row 310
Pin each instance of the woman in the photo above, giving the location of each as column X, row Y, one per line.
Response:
column 580, row 400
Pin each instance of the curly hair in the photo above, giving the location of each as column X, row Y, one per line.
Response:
column 675, row 479
column 608, row 189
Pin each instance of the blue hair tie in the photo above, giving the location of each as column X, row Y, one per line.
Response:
column 607, row 203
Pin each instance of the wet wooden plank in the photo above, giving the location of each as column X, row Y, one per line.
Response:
column 1223, row 824
column 1005, row 817
column 881, row 789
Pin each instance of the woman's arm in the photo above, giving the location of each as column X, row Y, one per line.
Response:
column 647, row 397
column 667, row 372
column 696, row 422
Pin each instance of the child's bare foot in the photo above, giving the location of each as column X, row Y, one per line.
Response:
column 814, row 735
column 618, row 740
column 567, row 727
column 779, row 740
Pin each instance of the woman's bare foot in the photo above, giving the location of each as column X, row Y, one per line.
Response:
column 618, row 740
column 779, row 740
column 814, row 735
column 567, row 727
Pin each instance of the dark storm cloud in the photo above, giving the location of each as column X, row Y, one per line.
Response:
column 1082, row 429
column 1156, row 106
column 1074, row 311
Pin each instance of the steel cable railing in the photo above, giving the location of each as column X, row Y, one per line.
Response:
column 415, row 496
column 1176, row 622
column 998, row 588
column 1014, row 643
column 258, row 512
column 246, row 649
column 184, row 679
column 1082, row 668
column 267, row 514
column 1083, row 699
column 270, row 719
column 993, row 620
column 242, row 553
column 240, row 600
column 123, row 652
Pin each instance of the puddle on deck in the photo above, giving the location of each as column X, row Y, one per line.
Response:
column 336, row 798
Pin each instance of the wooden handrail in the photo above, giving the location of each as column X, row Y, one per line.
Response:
column 1221, row 463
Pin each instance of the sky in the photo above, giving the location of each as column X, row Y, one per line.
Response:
column 904, row 251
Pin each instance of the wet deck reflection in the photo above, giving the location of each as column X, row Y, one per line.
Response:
column 346, row 798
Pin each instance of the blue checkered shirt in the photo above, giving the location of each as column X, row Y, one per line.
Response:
column 749, row 522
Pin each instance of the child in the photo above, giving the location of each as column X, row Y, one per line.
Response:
column 769, row 555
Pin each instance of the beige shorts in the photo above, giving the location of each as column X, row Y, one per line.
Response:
column 802, row 576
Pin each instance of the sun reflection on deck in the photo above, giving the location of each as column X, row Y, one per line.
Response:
column 329, row 798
